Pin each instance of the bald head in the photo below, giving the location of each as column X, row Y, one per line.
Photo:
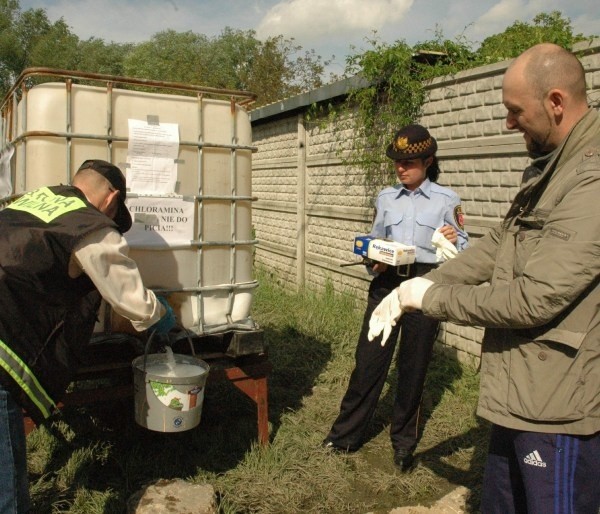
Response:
column 547, row 66
column 545, row 95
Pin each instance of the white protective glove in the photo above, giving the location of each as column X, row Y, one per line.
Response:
column 444, row 249
column 411, row 293
column 384, row 317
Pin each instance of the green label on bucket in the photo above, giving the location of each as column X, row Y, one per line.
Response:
column 176, row 397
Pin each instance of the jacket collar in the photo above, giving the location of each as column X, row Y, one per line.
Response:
column 575, row 141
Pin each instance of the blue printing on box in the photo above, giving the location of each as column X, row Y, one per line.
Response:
column 361, row 245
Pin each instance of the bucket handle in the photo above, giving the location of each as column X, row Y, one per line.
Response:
column 150, row 339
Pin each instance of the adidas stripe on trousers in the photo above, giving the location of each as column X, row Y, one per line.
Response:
column 539, row 473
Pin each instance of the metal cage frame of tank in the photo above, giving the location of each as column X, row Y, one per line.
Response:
column 34, row 76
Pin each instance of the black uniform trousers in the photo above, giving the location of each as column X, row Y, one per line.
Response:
column 417, row 336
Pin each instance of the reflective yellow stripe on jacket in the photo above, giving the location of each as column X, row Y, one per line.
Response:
column 46, row 205
column 23, row 376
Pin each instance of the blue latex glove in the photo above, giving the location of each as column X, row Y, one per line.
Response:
column 167, row 322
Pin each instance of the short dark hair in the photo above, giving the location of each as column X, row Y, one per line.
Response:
column 117, row 180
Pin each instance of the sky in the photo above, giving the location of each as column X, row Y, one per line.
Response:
column 332, row 28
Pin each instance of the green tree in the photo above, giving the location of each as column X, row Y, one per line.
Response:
column 233, row 60
column 19, row 33
column 278, row 71
column 10, row 59
column 232, row 56
column 170, row 55
column 56, row 47
column 546, row 28
column 308, row 69
column 274, row 68
column 98, row 57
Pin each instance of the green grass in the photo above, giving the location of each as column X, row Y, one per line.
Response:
column 92, row 459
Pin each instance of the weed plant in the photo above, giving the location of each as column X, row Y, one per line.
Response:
column 91, row 460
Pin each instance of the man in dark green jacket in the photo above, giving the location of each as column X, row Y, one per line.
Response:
column 533, row 283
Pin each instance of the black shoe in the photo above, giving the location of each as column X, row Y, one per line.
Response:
column 404, row 460
column 332, row 447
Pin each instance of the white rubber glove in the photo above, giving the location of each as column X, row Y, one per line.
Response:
column 444, row 249
column 384, row 317
column 411, row 293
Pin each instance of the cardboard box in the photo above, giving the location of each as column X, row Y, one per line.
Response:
column 384, row 250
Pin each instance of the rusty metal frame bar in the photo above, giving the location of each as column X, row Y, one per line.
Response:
column 241, row 97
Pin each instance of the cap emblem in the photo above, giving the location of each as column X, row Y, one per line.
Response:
column 400, row 144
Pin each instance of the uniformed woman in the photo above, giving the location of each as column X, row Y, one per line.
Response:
column 408, row 212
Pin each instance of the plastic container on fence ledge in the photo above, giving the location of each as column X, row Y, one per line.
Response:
column 192, row 243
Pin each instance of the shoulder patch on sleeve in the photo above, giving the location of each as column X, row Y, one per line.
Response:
column 459, row 217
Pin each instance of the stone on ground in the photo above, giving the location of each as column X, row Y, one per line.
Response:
column 453, row 503
column 173, row 497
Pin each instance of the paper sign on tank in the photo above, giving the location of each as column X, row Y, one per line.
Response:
column 160, row 222
column 152, row 157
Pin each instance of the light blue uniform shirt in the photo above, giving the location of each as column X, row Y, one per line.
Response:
column 411, row 217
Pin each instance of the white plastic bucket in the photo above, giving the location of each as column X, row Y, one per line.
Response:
column 169, row 392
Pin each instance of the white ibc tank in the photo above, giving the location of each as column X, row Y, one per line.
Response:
column 192, row 239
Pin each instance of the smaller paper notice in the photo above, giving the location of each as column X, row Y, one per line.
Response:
column 151, row 154
column 5, row 183
column 160, row 222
